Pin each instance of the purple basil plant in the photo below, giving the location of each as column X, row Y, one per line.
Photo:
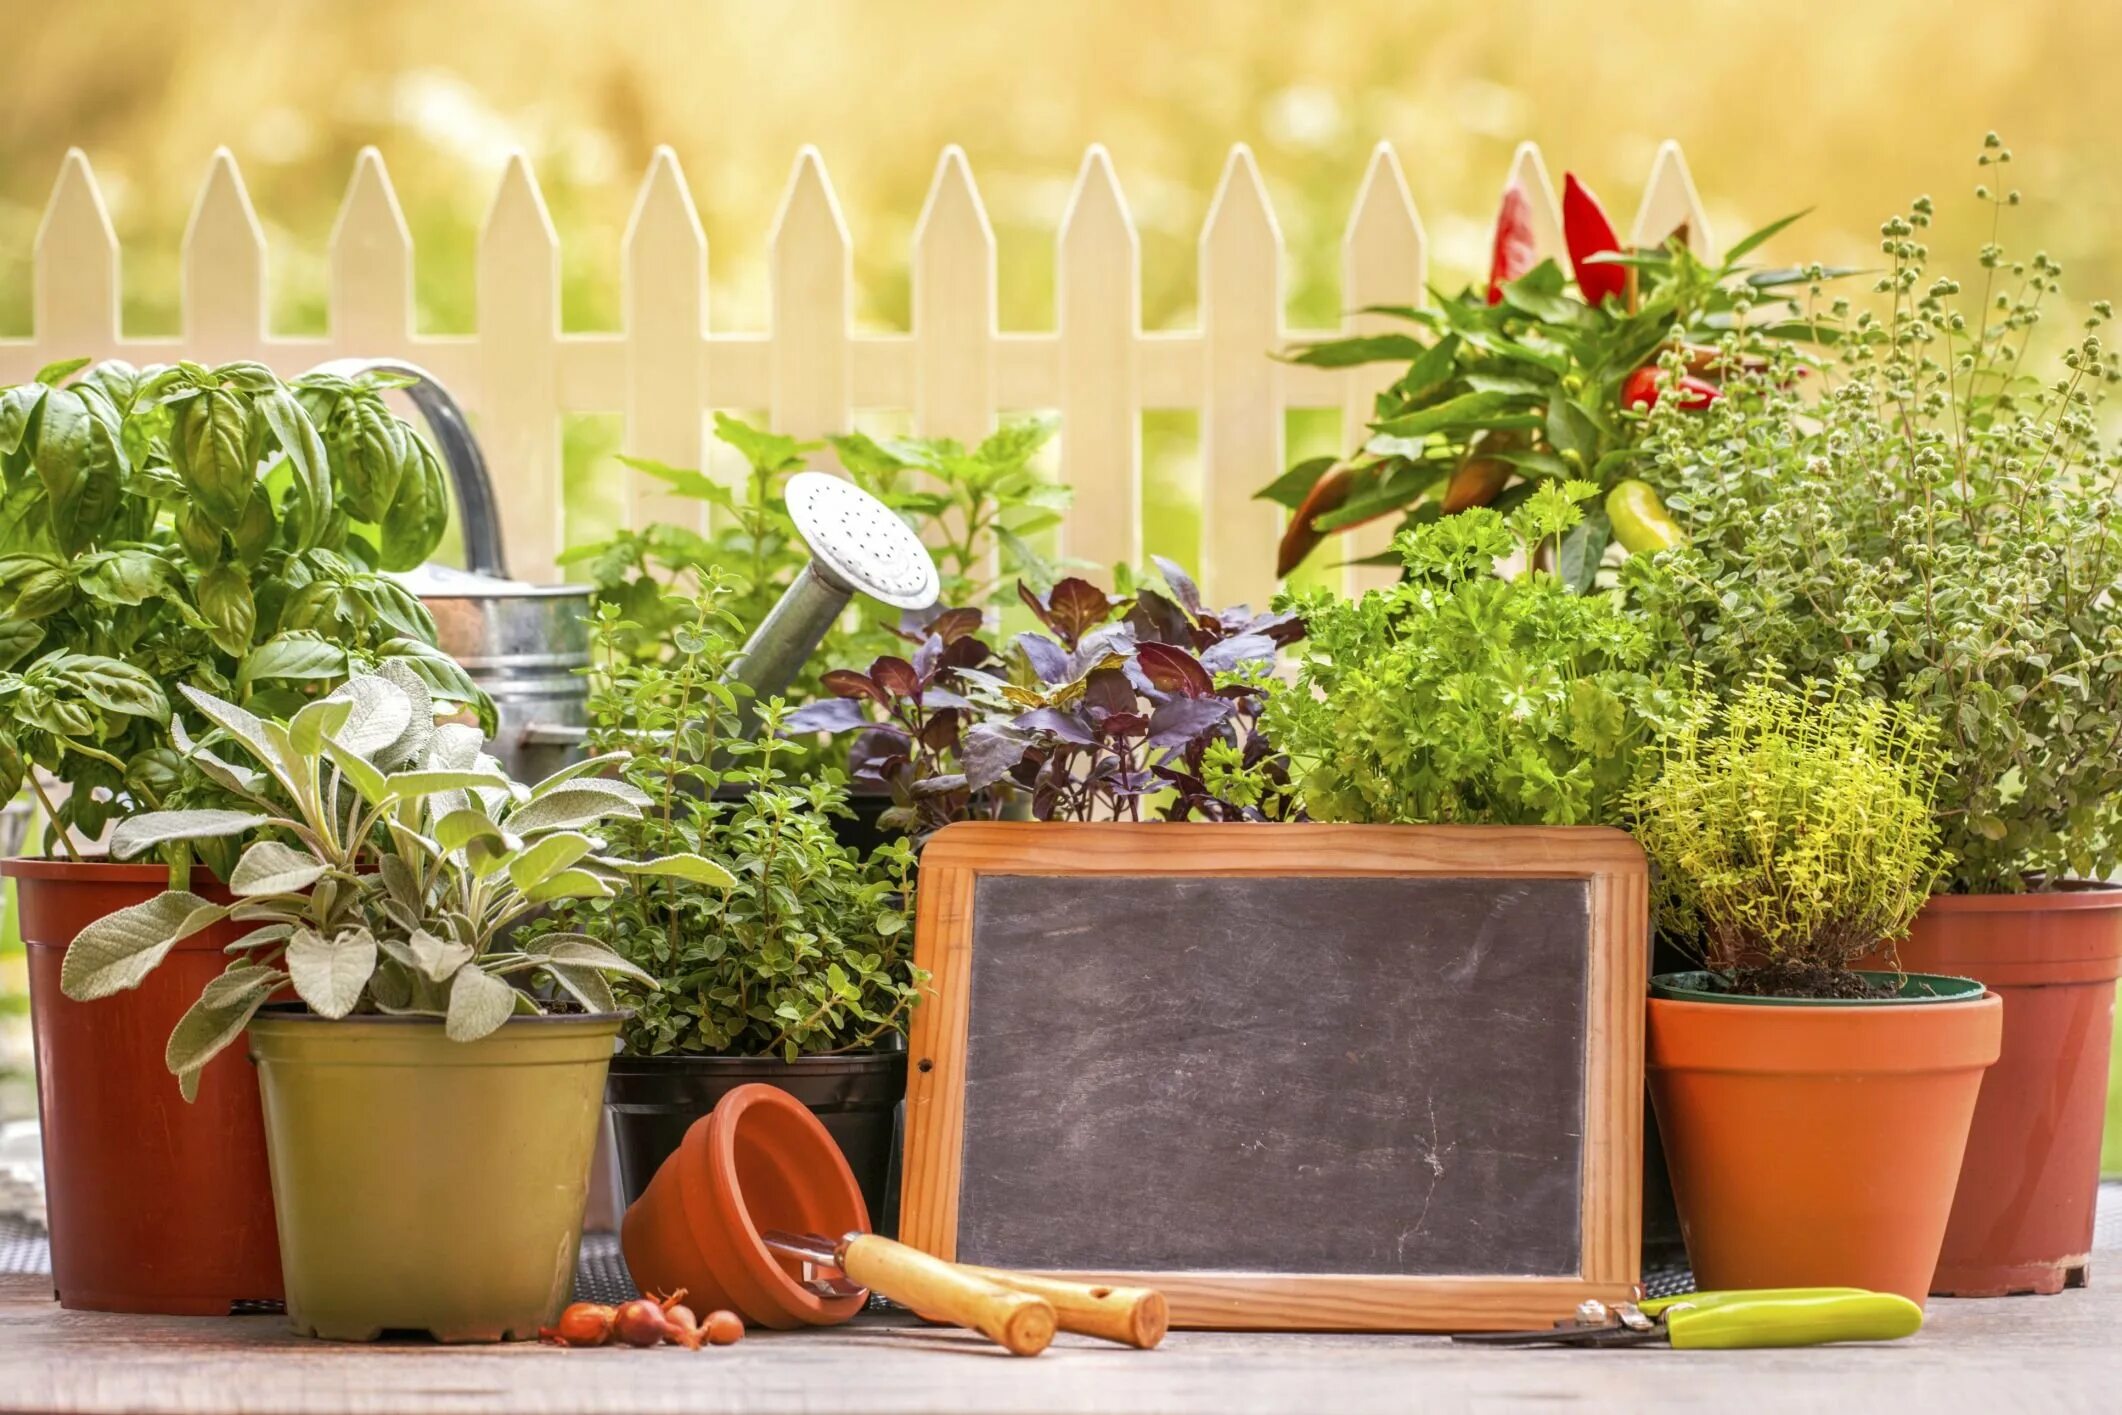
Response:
column 1118, row 701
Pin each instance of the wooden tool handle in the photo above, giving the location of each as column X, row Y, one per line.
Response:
column 1135, row 1316
column 945, row 1292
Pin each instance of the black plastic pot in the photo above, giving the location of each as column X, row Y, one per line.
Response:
column 654, row 1100
column 859, row 832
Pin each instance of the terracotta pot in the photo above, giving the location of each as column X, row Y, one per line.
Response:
column 425, row 1184
column 2023, row 1218
column 1816, row 1144
column 156, row 1205
column 761, row 1160
column 654, row 1100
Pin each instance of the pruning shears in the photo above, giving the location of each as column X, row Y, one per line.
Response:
column 1728, row 1321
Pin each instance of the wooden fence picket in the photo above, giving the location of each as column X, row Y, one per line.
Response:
column 956, row 372
column 224, row 269
column 1242, row 435
column 74, row 290
column 1098, row 318
column 1670, row 202
column 1384, row 261
column 519, row 389
column 1528, row 171
column 954, row 308
column 664, row 270
column 811, row 262
column 371, row 265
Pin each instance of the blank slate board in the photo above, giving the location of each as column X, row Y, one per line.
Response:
column 1296, row 1076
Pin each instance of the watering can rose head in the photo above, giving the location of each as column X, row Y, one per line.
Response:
column 389, row 857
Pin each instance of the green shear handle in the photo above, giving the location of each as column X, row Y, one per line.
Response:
column 1787, row 1316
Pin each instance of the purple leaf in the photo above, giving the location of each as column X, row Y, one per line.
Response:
column 1108, row 690
column 1123, row 724
column 955, row 624
column 940, row 732
column 833, row 715
column 1058, row 724
column 928, row 656
column 1076, row 606
column 1226, row 654
column 1156, row 619
column 959, row 654
column 875, row 753
column 1185, row 719
column 896, row 676
column 990, row 750
column 943, row 698
column 1183, row 587
column 1173, row 670
column 847, row 683
column 1047, row 658
column 1113, row 638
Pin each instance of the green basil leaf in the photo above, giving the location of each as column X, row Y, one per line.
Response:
column 210, row 447
column 309, row 501
column 291, row 657
column 224, row 595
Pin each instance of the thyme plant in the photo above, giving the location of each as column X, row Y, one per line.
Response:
column 1793, row 831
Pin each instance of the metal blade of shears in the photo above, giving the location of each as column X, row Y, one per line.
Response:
column 820, row 1257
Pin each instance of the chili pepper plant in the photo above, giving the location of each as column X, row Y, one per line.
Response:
column 1536, row 377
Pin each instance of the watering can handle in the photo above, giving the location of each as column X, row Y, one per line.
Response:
column 481, row 521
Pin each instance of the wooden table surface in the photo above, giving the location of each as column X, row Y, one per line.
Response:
column 2054, row 1354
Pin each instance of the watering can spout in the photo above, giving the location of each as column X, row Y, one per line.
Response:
column 858, row 545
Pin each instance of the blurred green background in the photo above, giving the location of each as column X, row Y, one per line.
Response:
column 1851, row 109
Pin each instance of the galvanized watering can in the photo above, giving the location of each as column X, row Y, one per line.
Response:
column 527, row 645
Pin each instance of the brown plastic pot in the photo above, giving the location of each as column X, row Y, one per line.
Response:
column 155, row 1205
column 2022, row 1220
column 1817, row 1144
column 760, row 1160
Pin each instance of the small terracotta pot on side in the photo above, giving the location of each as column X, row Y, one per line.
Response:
column 1817, row 1145
column 155, row 1205
column 2022, row 1220
column 760, row 1160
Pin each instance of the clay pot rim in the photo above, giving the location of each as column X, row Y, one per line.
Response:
column 96, row 869
column 1668, row 987
column 1736, row 1038
column 709, row 1160
column 2068, row 895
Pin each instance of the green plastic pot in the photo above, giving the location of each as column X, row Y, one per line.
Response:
column 426, row 1185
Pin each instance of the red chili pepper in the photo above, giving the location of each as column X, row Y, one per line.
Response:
column 1641, row 391
column 1588, row 233
column 1515, row 251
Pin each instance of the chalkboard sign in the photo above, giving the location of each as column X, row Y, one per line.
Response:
column 1297, row 1076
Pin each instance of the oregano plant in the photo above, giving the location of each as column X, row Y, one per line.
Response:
column 797, row 945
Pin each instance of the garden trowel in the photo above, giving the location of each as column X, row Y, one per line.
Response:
column 989, row 1300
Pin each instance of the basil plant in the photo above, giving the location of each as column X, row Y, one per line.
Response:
column 389, row 858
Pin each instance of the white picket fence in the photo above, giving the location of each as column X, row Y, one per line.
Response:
column 956, row 370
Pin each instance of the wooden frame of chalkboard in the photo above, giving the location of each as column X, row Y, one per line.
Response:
column 1601, row 1256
